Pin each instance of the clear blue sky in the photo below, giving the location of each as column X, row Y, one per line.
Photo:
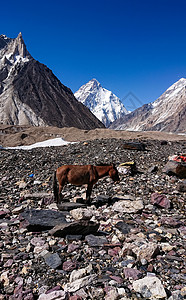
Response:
column 133, row 45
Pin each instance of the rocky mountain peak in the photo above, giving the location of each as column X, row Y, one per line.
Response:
column 30, row 94
column 94, row 83
column 13, row 49
column 106, row 106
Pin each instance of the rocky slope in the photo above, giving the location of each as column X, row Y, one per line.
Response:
column 106, row 106
column 31, row 94
column 167, row 113
column 131, row 249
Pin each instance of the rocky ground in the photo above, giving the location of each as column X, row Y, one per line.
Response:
column 123, row 246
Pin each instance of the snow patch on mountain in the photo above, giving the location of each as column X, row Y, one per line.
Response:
column 106, row 106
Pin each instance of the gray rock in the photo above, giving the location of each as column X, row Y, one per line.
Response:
column 38, row 220
column 52, row 260
column 67, row 206
column 82, row 227
column 96, row 241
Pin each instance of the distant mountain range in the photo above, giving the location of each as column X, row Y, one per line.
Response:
column 106, row 106
column 30, row 94
column 167, row 113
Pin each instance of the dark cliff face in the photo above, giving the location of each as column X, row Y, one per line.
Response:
column 53, row 102
column 30, row 94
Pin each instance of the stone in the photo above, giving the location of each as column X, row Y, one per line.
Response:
column 153, row 169
column 132, row 273
column 79, row 283
column 127, row 206
column 114, row 252
column 69, row 265
column 96, row 241
column 145, row 250
column 55, row 295
column 123, row 227
column 8, row 263
column 182, row 187
column 160, row 200
column 72, row 247
column 175, row 168
column 134, row 146
column 83, row 227
column 4, row 278
column 37, row 241
column 150, row 287
column 81, row 214
column 67, row 206
column 18, row 209
column 77, row 274
column 52, row 260
column 38, row 220
column 111, row 294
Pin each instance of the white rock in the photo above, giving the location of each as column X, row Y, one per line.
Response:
column 128, row 206
column 81, row 213
column 18, row 209
column 79, row 283
column 166, row 247
column 149, row 287
column 56, row 295
column 77, row 274
column 4, row 278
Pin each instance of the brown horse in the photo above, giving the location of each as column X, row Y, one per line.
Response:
column 82, row 174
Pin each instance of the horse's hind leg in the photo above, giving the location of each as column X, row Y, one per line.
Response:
column 88, row 193
column 61, row 186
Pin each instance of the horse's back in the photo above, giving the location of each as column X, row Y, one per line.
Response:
column 77, row 174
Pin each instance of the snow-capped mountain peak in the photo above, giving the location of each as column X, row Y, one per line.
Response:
column 106, row 106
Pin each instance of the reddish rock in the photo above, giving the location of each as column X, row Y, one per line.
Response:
column 118, row 279
column 72, row 247
column 114, row 252
column 132, row 273
column 69, row 265
column 160, row 200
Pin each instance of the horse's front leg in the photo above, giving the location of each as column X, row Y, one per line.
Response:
column 88, row 193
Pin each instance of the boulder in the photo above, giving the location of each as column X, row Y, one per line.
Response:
column 127, row 205
column 175, row 168
column 150, row 287
column 83, row 227
column 38, row 220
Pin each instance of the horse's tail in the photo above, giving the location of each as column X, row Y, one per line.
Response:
column 55, row 188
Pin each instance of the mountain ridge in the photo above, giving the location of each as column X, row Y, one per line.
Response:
column 167, row 113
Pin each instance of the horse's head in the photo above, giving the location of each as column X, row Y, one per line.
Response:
column 113, row 173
